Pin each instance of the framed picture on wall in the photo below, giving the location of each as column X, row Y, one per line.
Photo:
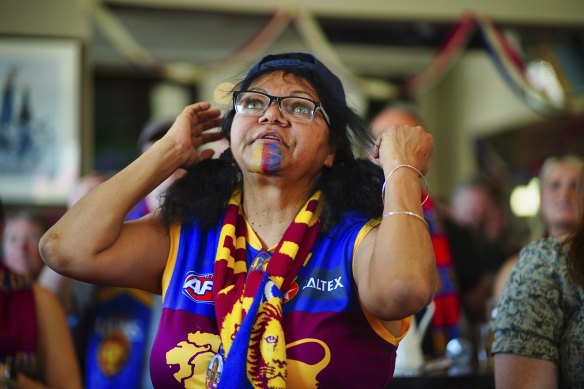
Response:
column 40, row 119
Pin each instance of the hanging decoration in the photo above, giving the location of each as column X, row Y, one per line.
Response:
column 506, row 60
column 131, row 50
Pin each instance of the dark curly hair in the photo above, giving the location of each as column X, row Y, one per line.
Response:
column 350, row 185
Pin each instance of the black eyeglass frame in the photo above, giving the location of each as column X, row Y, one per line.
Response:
column 317, row 104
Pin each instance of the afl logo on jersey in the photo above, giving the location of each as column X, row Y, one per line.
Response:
column 198, row 287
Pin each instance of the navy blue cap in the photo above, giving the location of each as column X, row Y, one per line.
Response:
column 289, row 61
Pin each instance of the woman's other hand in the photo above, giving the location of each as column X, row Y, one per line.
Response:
column 190, row 131
column 404, row 144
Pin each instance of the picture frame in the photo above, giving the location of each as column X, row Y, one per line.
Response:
column 40, row 119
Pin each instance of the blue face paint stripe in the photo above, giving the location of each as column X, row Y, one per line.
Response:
column 271, row 158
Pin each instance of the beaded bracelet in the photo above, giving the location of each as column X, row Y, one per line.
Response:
column 408, row 213
column 411, row 167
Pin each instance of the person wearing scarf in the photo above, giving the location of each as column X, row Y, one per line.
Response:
column 285, row 262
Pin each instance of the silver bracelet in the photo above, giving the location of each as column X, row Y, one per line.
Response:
column 411, row 167
column 408, row 213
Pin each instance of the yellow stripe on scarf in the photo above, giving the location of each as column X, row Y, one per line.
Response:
column 289, row 248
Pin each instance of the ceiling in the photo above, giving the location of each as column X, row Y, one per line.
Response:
column 391, row 48
column 202, row 36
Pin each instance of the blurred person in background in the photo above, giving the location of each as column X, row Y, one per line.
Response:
column 479, row 204
column 20, row 245
column 559, row 211
column 539, row 322
column 36, row 348
column 462, row 293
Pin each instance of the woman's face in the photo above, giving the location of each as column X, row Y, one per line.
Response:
column 21, row 246
column 273, row 145
column 560, row 205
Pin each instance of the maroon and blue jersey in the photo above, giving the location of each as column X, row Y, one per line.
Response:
column 330, row 340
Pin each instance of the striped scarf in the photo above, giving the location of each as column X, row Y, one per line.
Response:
column 447, row 300
column 248, row 304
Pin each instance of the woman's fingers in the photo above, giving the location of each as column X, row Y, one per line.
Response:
column 404, row 144
column 193, row 128
column 204, row 118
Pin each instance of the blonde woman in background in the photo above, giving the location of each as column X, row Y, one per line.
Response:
column 539, row 325
column 559, row 210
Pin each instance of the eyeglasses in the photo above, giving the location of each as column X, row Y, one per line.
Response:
column 296, row 109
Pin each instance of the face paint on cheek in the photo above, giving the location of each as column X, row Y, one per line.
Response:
column 266, row 159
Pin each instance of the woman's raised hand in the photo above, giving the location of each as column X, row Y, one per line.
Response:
column 190, row 131
column 403, row 144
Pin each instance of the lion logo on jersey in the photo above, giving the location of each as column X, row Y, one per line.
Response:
column 113, row 353
column 193, row 356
